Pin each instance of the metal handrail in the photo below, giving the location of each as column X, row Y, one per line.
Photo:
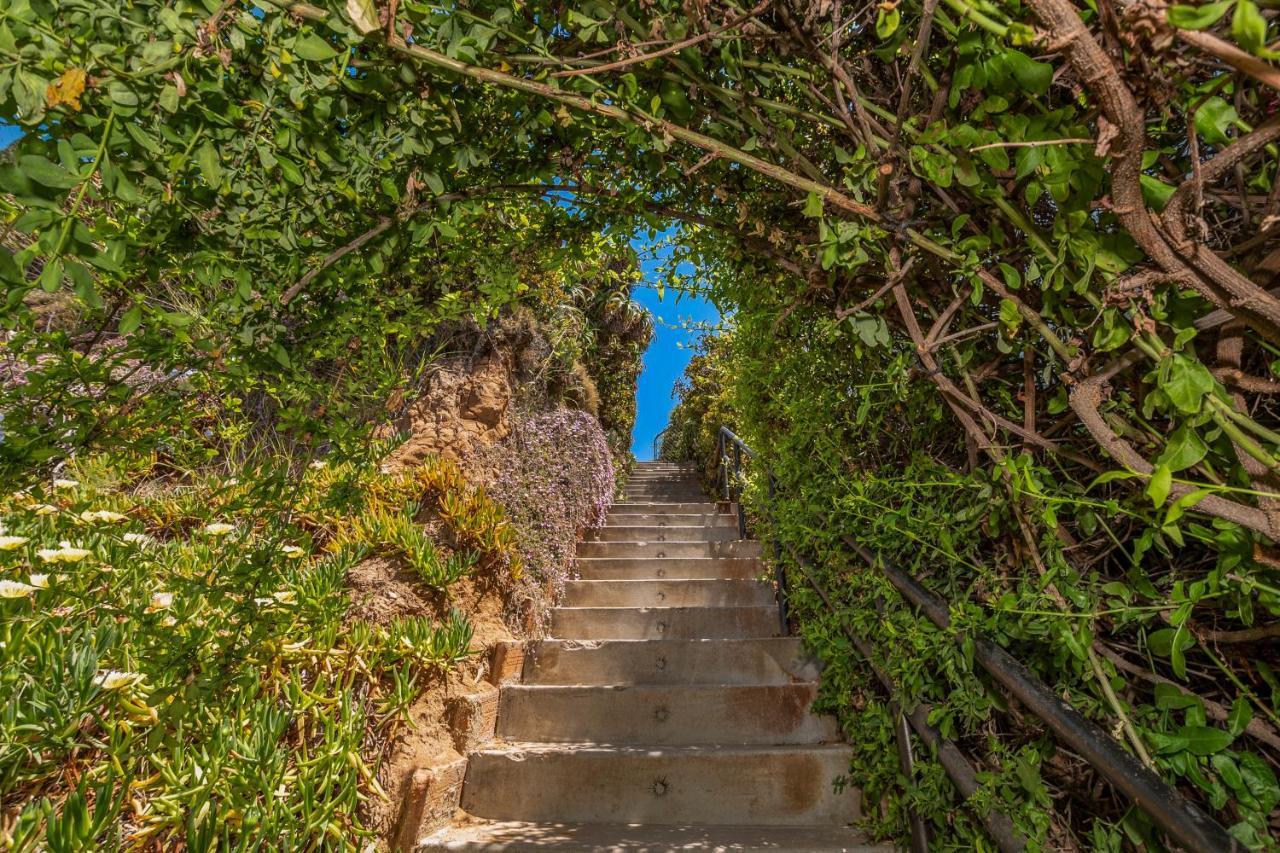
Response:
column 726, row 439
column 1171, row 812
column 657, row 440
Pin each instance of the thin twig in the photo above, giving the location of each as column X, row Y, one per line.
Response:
column 674, row 48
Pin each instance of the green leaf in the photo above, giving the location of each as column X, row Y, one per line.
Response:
column 46, row 173
column 1241, row 714
column 1155, row 192
column 1184, row 449
column 1205, row 740
column 1197, row 17
column 312, row 48
column 131, row 320
column 887, row 22
column 168, row 99
column 1213, row 119
column 1158, row 488
column 290, row 170
column 210, row 165
column 51, row 276
column 1260, row 780
column 1187, row 383
column 1182, row 504
column 1031, row 75
column 1249, row 27
column 1108, row 476
column 813, row 204
column 1170, row 697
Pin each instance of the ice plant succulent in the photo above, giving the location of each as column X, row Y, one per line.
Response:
column 15, row 589
column 64, row 553
column 103, row 515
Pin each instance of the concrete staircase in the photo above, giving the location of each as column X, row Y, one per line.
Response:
column 667, row 713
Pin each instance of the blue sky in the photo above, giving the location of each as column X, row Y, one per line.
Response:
column 675, row 331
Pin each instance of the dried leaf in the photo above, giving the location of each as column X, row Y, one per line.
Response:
column 66, row 89
column 363, row 14
column 1107, row 133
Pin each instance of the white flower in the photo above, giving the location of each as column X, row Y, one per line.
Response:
column 112, row 679
column 103, row 515
column 64, row 553
column 160, row 601
column 65, row 484
column 219, row 528
column 265, row 602
column 8, row 543
column 15, row 589
column 40, row 581
column 231, row 481
column 43, row 509
column 139, row 539
column 293, row 552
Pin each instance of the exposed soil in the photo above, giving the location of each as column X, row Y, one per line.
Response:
column 381, row 590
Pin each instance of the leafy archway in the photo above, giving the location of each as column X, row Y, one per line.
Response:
column 1013, row 245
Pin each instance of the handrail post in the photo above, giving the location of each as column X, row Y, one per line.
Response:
column 737, row 488
column 779, row 573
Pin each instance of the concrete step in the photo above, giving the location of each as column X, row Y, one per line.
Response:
column 663, row 623
column 672, row 519
column 675, row 568
column 667, row 593
column 479, row 836
column 674, row 476
column 662, row 507
column 669, row 549
column 779, row 660
column 668, row 497
column 662, row 533
column 665, row 486
column 666, row 785
column 665, row 715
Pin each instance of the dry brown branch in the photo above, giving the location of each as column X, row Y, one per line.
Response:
column 1124, row 120
column 670, row 49
column 1086, row 401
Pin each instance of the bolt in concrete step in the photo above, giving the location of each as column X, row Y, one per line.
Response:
column 673, row 519
column 623, row 508
column 656, row 550
column 662, row 623
column 666, row 488
column 479, row 836
column 667, row 593
column 662, row 533
column 778, row 660
column 675, row 568
column 769, row 715
column 670, row 548
column 667, row 785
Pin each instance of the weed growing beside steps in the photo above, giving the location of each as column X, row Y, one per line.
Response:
column 177, row 664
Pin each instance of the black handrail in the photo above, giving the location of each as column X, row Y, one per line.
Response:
column 657, row 440
column 1171, row 812
column 732, row 483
